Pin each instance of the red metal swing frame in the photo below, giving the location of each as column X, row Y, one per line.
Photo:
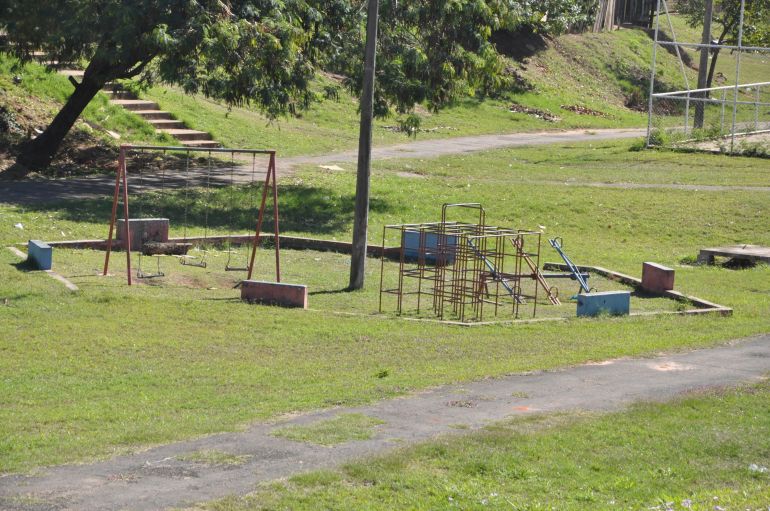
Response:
column 121, row 191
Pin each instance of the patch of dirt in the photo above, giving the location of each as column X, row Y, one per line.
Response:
column 413, row 175
column 400, row 129
column 583, row 110
column 461, row 403
column 534, row 112
column 82, row 152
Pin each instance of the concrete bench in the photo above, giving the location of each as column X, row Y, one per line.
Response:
column 615, row 303
column 143, row 229
column 40, row 254
column 657, row 278
column 274, row 293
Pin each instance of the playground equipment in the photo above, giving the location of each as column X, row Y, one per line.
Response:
column 462, row 267
column 205, row 177
column 558, row 244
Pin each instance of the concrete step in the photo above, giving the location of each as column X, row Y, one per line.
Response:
column 135, row 104
column 201, row 143
column 153, row 115
column 187, row 134
column 120, row 94
column 167, row 124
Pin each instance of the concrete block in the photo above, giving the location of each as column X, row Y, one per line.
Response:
column 657, row 278
column 412, row 249
column 616, row 303
column 144, row 229
column 274, row 293
column 41, row 254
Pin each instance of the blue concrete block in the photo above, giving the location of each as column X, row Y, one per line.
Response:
column 411, row 244
column 41, row 254
column 617, row 303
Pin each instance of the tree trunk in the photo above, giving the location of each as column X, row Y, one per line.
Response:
column 37, row 154
column 700, row 106
column 712, row 68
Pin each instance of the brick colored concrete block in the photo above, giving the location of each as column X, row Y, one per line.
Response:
column 41, row 254
column 412, row 249
column 657, row 278
column 144, row 229
column 616, row 303
column 274, row 293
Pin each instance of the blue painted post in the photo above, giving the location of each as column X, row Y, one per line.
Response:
column 40, row 253
column 616, row 303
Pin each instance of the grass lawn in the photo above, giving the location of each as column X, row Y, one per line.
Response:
column 340, row 429
column 706, row 451
column 112, row 368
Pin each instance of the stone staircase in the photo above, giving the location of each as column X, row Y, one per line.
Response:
column 163, row 122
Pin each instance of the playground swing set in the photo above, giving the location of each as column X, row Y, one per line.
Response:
column 149, row 236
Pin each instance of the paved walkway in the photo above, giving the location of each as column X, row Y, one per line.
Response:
column 25, row 192
column 157, row 478
column 92, row 187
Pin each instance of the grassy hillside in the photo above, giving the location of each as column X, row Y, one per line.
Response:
column 603, row 74
column 31, row 96
column 574, row 81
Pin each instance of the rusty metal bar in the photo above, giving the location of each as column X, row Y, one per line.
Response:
column 127, row 222
column 184, row 149
column 113, row 217
column 271, row 166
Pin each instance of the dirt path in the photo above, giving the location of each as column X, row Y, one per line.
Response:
column 25, row 192
column 158, row 478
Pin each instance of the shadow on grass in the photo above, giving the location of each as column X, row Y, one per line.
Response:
column 231, row 208
column 331, row 291
column 664, row 37
column 26, row 266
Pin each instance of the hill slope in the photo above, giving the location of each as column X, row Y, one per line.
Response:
column 573, row 81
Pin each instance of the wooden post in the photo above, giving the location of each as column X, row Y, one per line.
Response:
column 703, row 66
column 358, row 258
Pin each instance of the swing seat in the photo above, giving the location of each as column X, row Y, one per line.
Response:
column 186, row 260
column 142, row 275
column 155, row 248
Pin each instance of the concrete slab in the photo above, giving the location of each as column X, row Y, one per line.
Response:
column 274, row 293
column 657, row 278
column 143, row 229
column 40, row 254
column 616, row 303
column 747, row 252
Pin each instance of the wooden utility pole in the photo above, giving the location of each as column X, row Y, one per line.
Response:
column 700, row 106
column 358, row 258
